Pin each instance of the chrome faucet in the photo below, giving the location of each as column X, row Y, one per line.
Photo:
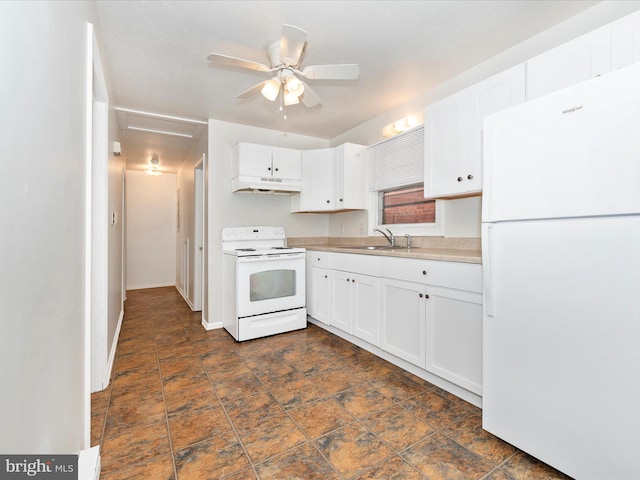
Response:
column 388, row 237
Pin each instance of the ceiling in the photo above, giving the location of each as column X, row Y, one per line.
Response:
column 156, row 58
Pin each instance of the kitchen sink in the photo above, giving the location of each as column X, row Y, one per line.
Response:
column 369, row 247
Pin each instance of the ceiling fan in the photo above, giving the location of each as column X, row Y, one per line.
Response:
column 284, row 58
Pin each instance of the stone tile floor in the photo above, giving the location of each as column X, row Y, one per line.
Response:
column 189, row 404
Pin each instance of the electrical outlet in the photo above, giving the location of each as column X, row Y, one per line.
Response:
column 342, row 228
column 362, row 229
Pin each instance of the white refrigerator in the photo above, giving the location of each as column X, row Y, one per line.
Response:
column 561, row 272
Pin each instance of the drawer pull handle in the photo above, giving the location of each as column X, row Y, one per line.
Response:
column 421, row 295
column 353, row 281
column 424, row 272
column 426, row 296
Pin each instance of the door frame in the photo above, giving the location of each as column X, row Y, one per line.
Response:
column 198, row 246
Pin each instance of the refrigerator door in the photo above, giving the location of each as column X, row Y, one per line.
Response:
column 561, row 333
column 569, row 154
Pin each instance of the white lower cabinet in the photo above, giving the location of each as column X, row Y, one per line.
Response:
column 432, row 317
column 403, row 320
column 427, row 313
column 454, row 336
column 318, row 293
column 354, row 304
column 365, row 308
column 341, row 300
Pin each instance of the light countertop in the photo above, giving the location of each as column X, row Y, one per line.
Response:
column 423, row 253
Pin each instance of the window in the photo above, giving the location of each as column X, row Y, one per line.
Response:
column 397, row 184
column 406, row 206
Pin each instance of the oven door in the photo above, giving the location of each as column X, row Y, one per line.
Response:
column 270, row 283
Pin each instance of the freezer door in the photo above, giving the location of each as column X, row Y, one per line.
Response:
column 569, row 154
column 561, row 360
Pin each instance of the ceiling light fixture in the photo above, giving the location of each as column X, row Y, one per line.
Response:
column 399, row 126
column 271, row 89
column 286, row 83
column 294, row 86
column 153, row 168
column 290, row 98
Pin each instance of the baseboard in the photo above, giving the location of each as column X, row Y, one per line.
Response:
column 460, row 392
column 89, row 464
column 155, row 285
column 186, row 299
column 114, row 345
column 211, row 326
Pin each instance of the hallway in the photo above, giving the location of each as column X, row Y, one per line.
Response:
column 188, row 404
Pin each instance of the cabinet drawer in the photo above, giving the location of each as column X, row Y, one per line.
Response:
column 461, row 276
column 319, row 259
column 363, row 264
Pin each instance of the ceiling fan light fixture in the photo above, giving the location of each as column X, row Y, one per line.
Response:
column 290, row 98
column 271, row 89
column 294, row 86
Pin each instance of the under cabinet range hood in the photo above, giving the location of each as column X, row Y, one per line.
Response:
column 265, row 185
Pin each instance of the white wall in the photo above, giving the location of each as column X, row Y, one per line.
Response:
column 115, row 295
column 462, row 217
column 151, row 230
column 227, row 209
column 185, row 182
column 42, row 239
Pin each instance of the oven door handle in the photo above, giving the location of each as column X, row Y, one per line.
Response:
column 270, row 258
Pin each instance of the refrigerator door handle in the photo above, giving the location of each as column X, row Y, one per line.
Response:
column 486, row 268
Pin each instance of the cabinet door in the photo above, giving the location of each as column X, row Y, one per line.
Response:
column 317, row 181
column 446, row 127
column 403, row 320
column 366, row 308
column 318, row 294
column 287, row 163
column 254, row 160
column 492, row 95
column 350, row 177
column 625, row 36
column 341, row 300
column 585, row 57
column 454, row 336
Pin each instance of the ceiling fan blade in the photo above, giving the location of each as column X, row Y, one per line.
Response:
column 252, row 91
column 237, row 62
column 309, row 97
column 292, row 43
column 346, row 71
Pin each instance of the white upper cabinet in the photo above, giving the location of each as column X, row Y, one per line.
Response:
column 453, row 133
column 255, row 160
column 578, row 60
column 625, row 37
column 286, row 163
column 349, row 176
column 317, row 182
column 333, row 179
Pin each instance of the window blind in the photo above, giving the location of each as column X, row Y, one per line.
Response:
column 399, row 161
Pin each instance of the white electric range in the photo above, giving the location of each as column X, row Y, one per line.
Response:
column 263, row 283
